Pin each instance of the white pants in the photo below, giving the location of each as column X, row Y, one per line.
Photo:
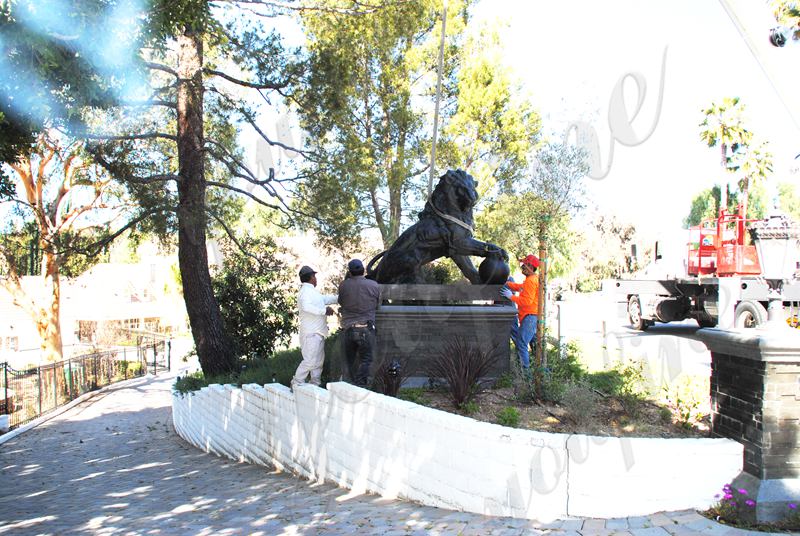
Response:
column 312, row 347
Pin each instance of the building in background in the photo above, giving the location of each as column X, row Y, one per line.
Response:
column 109, row 304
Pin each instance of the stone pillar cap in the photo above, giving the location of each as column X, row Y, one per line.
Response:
column 760, row 344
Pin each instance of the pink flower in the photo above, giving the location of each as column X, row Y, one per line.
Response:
column 728, row 496
column 743, row 491
column 750, row 502
column 792, row 506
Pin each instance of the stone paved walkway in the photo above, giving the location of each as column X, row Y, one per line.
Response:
column 114, row 465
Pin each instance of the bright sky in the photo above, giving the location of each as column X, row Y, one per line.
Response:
column 571, row 54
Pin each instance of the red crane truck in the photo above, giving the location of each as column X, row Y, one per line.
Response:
column 737, row 273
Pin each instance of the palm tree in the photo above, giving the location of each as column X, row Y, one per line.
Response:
column 723, row 125
column 756, row 166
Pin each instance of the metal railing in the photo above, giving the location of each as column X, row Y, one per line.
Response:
column 27, row 394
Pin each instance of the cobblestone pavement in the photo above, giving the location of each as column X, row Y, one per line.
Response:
column 114, row 465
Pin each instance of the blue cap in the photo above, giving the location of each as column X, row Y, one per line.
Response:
column 355, row 267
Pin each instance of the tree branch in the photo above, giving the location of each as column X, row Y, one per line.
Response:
column 146, row 136
column 248, row 116
column 233, row 238
column 229, row 78
column 150, row 102
column 160, row 67
column 95, row 248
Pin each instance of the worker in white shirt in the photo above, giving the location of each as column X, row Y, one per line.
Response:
column 312, row 309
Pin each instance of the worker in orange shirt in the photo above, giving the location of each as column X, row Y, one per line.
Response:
column 527, row 301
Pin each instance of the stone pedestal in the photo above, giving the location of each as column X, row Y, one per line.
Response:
column 416, row 321
column 755, row 400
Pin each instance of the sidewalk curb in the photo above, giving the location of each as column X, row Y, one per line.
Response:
column 66, row 407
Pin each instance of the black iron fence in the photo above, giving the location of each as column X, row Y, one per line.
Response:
column 27, row 394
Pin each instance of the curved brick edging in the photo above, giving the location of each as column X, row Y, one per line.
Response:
column 369, row 442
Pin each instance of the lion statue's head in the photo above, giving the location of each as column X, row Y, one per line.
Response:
column 455, row 194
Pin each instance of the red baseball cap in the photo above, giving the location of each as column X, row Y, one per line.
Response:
column 532, row 260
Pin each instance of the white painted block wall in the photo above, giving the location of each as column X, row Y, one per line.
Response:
column 365, row 441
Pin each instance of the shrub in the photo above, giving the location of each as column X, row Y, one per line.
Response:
column 413, row 394
column 686, row 400
column 191, row 382
column 563, row 368
column 564, row 360
column 279, row 368
column 504, row 381
column 256, row 297
column 462, row 366
column 508, row 416
column 579, row 401
column 470, row 407
column 625, row 381
column 127, row 369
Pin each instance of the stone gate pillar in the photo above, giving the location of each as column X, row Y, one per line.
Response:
column 755, row 400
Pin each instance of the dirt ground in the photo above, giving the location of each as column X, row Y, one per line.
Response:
column 609, row 417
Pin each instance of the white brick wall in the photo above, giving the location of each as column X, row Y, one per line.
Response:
column 369, row 442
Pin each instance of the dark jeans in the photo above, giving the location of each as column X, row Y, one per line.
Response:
column 359, row 347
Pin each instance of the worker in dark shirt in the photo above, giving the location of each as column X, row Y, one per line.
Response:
column 358, row 300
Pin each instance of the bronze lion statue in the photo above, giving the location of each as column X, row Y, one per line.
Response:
column 444, row 229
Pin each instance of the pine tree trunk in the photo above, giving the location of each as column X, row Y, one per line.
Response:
column 213, row 346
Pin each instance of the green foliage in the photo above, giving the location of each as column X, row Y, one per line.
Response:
column 129, row 368
column 505, row 381
column 356, row 101
column 366, row 103
column 414, row 394
column 789, row 201
column 191, row 382
column 624, row 380
column 686, row 399
column 494, row 127
column 508, row 416
column 278, row 368
column 786, row 12
column 469, row 408
column 256, row 297
column 564, row 367
column 500, row 222
column 723, row 125
column 604, row 251
column 705, row 204
column 440, row 272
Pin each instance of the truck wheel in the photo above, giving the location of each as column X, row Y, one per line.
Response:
column 706, row 321
column 635, row 314
column 749, row 314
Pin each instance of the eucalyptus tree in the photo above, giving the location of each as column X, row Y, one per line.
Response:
column 69, row 200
